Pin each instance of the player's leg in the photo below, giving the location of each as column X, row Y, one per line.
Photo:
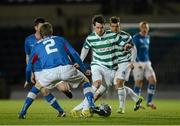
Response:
column 45, row 83
column 119, row 85
column 101, row 77
column 101, row 90
column 65, row 88
column 135, row 97
column 97, row 81
column 32, row 94
column 85, row 111
column 84, row 105
column 138, row 74
column 151, row 77
column 51, row 99
column 121, row 76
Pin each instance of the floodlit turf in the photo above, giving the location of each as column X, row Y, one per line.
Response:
column 168, row 113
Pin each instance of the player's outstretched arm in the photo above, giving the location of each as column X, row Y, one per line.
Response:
column 74, row 55
column 84, row 53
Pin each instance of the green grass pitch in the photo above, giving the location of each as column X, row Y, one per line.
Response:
column 40, row 113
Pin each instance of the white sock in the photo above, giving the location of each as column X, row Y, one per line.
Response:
column 132, row 94
column 80, row 106
column 122, row 97
column 85, row 104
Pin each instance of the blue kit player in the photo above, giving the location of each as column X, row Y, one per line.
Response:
column 142, row 67
column 55, row 55
column 29, row 45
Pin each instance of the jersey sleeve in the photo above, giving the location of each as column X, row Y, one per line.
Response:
column 29, row 67
column 74, row 55
column 86, row 44
column 134, row 40
column 125, row 39
column 27, row 47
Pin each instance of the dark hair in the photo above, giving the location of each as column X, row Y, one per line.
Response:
column 114, row 19
column 39, row 20
column 46, row 29
column 99, row 19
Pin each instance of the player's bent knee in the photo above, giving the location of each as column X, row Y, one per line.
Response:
column 97, row 83
column 63, row 86
column 85, row 81
column 119, row 83
column 152, row 80
column 38, row 85
column 44, row 91
column 138, row 83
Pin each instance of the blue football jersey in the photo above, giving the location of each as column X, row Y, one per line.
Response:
column 30, row 42
column 142, row 45
column 54, row 51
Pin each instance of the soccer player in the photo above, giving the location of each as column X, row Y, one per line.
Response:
column 29, row 44
column 125, row 64
column 142, row 67
column 53, row 52
column 102, row 44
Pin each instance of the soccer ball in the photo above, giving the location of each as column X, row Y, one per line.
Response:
column 106, row 108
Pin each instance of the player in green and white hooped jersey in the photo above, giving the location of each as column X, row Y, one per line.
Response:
column 104, row 45
column 125, row 64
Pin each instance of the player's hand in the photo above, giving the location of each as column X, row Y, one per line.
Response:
column 25, row 84
column 140, row 65
column 127, row 47
column 131, row 65
column 33, row 80
column 88, row 72
column 76, row 65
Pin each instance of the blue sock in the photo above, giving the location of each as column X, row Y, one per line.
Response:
column 150, row 92
column 29, row 99
column 137, row 90
column 87, row 89
column 52, row 100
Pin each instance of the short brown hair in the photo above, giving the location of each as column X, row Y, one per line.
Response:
column 114, row 19
column 46, row 29
column 99, row 19
column 39, row 20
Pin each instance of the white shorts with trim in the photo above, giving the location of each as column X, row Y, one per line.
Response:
column 50, row 77
column 102, row 73
column 123, row 72
column 142, row 69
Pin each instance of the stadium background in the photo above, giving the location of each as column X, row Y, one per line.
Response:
column 72, row 19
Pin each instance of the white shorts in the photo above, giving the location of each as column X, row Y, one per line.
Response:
column 123, row 72
column 142, row 69
column 102, row 73
column 37, row 75
column 50, row 77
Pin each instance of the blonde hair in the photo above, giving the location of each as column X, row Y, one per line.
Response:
column 46, row 29
column 143, row 23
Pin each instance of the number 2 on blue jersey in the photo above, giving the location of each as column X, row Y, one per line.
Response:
column 49, row 46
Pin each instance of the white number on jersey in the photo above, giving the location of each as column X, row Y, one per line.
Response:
column 49, row 46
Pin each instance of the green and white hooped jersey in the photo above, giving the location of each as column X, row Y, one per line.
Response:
column 124, row 56
column 104, row 49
